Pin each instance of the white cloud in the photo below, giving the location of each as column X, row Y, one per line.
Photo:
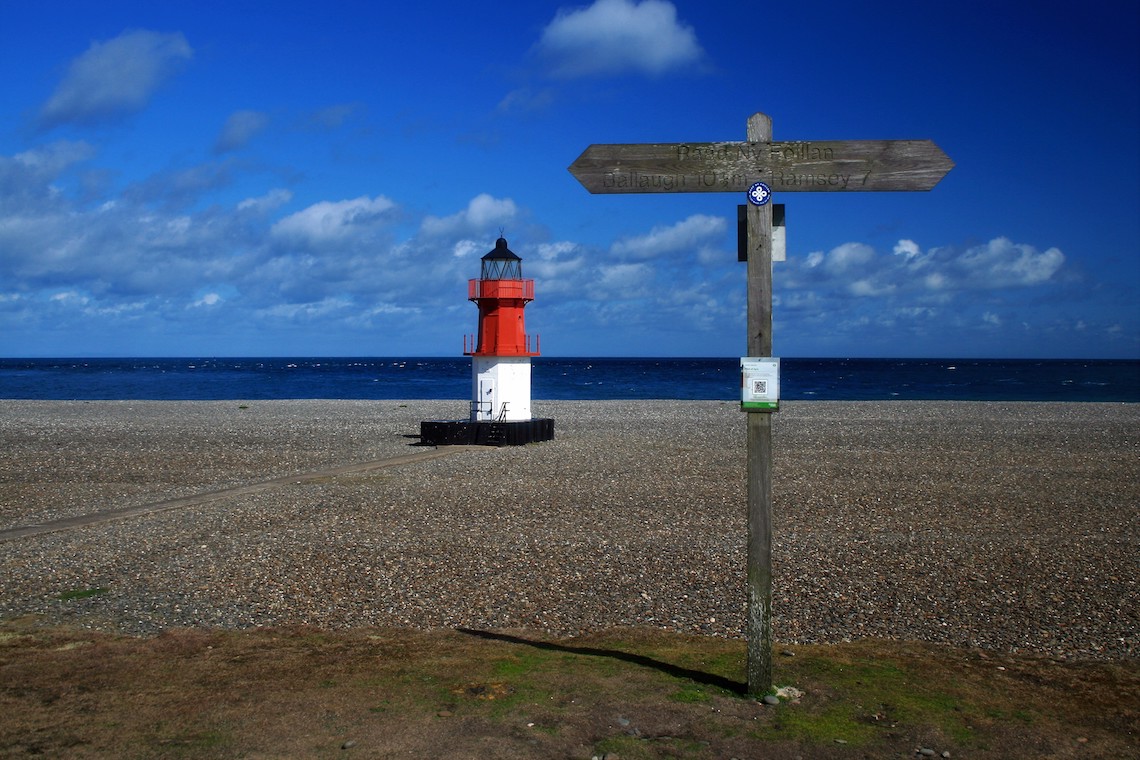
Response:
column 466, row 248
column 917, row 312
column 907, row 248
column 556, row 267
column 482, row 211
column 867, row 287
column 115, row 77
column 182, row 187
column 556, row 251
column 53, row 158
column 308, row 311
column 693, row 306
column 1003, row 263
column 983, row 290
column 686, row 236
column 70, row 296
column 855, row 268
column 526, row 100
column 849, row 257
column 263, row 204
column 618, row 36
column 624, row 279
column 239, row 129
column 334, row 222
column 27, row 186
column 935, row 281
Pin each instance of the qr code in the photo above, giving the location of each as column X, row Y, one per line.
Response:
column 759, row 387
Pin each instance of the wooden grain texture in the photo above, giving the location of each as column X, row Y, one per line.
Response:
column 759, row 458
column 813, row 166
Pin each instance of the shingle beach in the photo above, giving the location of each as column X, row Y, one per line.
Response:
column 1006, row 526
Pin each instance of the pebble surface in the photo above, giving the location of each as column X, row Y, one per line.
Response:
column 1006, row 526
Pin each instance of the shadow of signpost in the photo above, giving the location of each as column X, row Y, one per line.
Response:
column 676, row 671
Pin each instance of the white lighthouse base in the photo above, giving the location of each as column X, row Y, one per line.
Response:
column 500, row 388
column 500, row 408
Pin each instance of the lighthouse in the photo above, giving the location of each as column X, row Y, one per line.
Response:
column 500, row 352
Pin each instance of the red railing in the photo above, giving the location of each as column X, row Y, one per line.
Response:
column 520, row 289
column 531, row 347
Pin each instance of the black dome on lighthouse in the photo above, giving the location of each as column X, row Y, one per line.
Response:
column 501, row 263
column 501, row 251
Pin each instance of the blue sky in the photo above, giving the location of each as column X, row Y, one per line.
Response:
column 300, row 178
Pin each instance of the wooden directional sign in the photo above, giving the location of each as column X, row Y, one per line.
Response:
column 726, row 167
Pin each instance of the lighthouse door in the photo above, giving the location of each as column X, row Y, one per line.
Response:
column 491, row 408
column 483, row 403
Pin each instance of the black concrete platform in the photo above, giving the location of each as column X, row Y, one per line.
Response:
column 466, row 432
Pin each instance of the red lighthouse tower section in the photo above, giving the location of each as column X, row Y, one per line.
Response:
column 501, row 294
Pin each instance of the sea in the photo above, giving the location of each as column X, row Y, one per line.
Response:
column 567, row 379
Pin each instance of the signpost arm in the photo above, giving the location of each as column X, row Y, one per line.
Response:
column 759, row 287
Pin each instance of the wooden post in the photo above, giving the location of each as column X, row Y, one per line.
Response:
column 759, row 287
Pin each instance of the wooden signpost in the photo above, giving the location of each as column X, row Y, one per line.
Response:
column 760, row 167
column 822, row 166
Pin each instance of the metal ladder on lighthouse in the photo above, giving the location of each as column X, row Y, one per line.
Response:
column 497, row 431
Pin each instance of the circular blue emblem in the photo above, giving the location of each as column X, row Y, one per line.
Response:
column 759, row 194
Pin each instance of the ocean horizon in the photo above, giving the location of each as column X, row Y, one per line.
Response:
column 567, row 378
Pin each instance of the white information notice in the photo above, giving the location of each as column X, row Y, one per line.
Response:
column 760, row 383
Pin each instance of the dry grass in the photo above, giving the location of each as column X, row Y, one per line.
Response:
column 633, row 693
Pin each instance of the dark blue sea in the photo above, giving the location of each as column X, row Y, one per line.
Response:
column 577, row 378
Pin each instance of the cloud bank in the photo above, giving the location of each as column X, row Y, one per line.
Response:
column 342, row 262
column 371, row 269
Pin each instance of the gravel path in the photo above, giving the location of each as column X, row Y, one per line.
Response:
column 1011, row 527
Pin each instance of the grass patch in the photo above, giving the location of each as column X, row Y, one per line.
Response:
column 819, row 726
column 690, row 693
column 522, row 664
column 861, row 699
column 86, row 593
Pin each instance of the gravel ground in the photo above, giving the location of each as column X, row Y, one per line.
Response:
column 1006, row 526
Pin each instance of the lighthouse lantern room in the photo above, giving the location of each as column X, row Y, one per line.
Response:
column 500, row 361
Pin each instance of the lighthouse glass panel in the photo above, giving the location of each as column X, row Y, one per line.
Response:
column 501, row 269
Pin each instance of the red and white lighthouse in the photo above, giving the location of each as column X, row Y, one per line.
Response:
column 500, row 362
column 500, row 353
